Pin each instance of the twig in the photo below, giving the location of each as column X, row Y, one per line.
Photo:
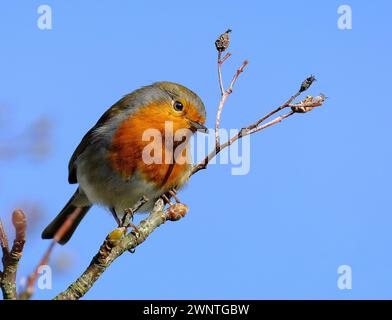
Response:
column 11, row 258
column 269, row 124
column 3, row 239
column 304, row 106
column 271, row 113
column 220, row 62
column 220, row 80
column 222, row 102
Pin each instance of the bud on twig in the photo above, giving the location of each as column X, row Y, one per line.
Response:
column 308, row 103
column 176, row 212
column 307, row 83
column 223, row 42
column 19, row 222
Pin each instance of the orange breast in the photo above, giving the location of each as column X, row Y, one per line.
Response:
column 126, row 153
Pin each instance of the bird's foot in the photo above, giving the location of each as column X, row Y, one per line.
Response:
column 127, row 220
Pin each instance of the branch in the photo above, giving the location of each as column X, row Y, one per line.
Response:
column 115, row 245
column 11, row 258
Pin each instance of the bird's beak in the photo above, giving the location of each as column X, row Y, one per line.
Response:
column 198, row 126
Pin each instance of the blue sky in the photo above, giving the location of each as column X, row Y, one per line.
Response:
column 317, row 194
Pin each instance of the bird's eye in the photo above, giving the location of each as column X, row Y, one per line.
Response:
column 178, row 106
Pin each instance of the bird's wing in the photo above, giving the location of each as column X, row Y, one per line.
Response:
column 79, row 149
column 88, row 137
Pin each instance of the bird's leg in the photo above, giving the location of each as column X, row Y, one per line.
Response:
column 167, row 200
column 173, row 193
column 114, row 214
column 126, row 220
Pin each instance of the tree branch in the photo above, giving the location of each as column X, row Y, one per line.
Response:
column 113, row 247
column 11, row 258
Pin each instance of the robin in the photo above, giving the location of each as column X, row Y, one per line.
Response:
column 109, row 163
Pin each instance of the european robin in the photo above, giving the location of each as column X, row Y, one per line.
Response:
column 109, row 164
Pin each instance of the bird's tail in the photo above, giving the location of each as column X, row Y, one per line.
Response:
column 71, row 207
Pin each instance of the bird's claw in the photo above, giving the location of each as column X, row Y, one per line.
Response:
column 175, row 211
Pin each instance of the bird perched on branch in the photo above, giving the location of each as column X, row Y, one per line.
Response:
column 115, row 163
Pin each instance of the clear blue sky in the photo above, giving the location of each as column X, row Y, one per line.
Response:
column 318, row 192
